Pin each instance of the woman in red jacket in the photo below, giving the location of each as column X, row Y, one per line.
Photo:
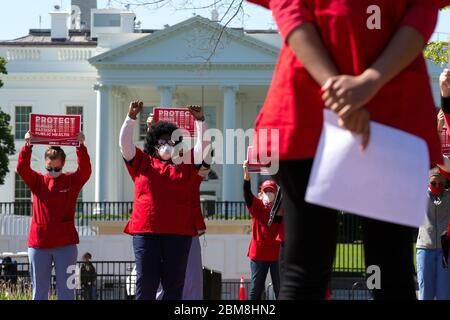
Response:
column 53, row 237
column 362, row 59
column 164, row 218
column 264, row 246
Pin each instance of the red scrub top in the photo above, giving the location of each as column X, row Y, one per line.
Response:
column 54, row 200
column 265, row 242
column 294, row 105
column 163, row 196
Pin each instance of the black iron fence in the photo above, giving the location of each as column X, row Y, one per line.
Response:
column 116, row 280
column 119, row 211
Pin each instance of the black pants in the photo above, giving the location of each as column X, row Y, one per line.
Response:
column 310, row 244
column 160, row 257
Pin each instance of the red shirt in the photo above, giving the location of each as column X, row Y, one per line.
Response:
column 163, row 196
column 264, row 245
column 54, row 200
column 294, row 105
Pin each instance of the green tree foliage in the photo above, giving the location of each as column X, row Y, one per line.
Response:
column 437, row 51
column 6, row 137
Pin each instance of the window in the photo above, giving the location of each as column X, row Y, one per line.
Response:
column 143, row 121
column 107, row 20
column 75, row 110
column 22, row 195
column 210, row 116
column 21, row 192
column 22, row 122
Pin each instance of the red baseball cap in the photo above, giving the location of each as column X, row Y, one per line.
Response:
column 269, row 184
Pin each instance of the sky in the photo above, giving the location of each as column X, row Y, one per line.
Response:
column 18, row 16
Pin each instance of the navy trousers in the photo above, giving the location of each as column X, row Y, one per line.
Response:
column 160, row 257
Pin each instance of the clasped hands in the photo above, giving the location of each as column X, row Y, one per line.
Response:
column 347, row 96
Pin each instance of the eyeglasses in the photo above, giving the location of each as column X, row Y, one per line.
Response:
column 434, row 184
column 53, row 169
column 164, row 141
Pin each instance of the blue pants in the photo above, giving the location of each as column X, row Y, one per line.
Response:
column 41, row 271
column 160, row 257
column 193, row 282
column 259, row 273
column 434, row 280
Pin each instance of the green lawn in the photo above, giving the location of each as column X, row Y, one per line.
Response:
column 350, row 257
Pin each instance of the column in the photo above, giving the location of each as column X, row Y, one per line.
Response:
column 230, row 172
column 101, row 142
column 166, row 93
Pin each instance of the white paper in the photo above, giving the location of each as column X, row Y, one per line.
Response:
column 388, row 181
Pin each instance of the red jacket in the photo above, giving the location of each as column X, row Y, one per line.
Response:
column 294, row 105
column 163, row 196
column 54, row 199
column 264, row 245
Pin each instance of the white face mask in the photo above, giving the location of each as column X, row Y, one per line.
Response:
column 55, row 174
column 268, row 197
column 165, row 152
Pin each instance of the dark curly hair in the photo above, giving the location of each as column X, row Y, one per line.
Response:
column 158, row 130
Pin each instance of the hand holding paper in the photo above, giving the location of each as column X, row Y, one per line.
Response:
column 387, row 182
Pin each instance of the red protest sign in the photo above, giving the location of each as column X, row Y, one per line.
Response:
column 254, row 165
column 181, row 117
column 445, row 143
column 60, row 130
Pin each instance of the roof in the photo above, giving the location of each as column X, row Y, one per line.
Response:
column 198, row 21
column 42, row 37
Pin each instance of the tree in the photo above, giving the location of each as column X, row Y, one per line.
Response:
column 437, row 51
column 6, row 137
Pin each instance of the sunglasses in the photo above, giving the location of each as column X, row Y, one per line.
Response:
column 53, row 169
column 434, row 184
column 164, row 141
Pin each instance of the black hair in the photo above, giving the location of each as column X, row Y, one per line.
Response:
column 87, row 255
column 158, row 130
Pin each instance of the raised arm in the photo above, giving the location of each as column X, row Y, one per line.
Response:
column 24, row 164
column 444, row 84
column 248, row 195
column 202, row 147
column 127, row 147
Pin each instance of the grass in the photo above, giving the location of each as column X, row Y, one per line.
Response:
column 18, row 291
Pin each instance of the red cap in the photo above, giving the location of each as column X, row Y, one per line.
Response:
column 269, row 184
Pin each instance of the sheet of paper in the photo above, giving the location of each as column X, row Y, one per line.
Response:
column 386, row 182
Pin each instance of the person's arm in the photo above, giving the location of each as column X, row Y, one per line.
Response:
column 23, row 168
column 295, row 22
column 247, row 187
column 346, row 94
column 127, row 147
column 201, row 144
column 444, row 85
